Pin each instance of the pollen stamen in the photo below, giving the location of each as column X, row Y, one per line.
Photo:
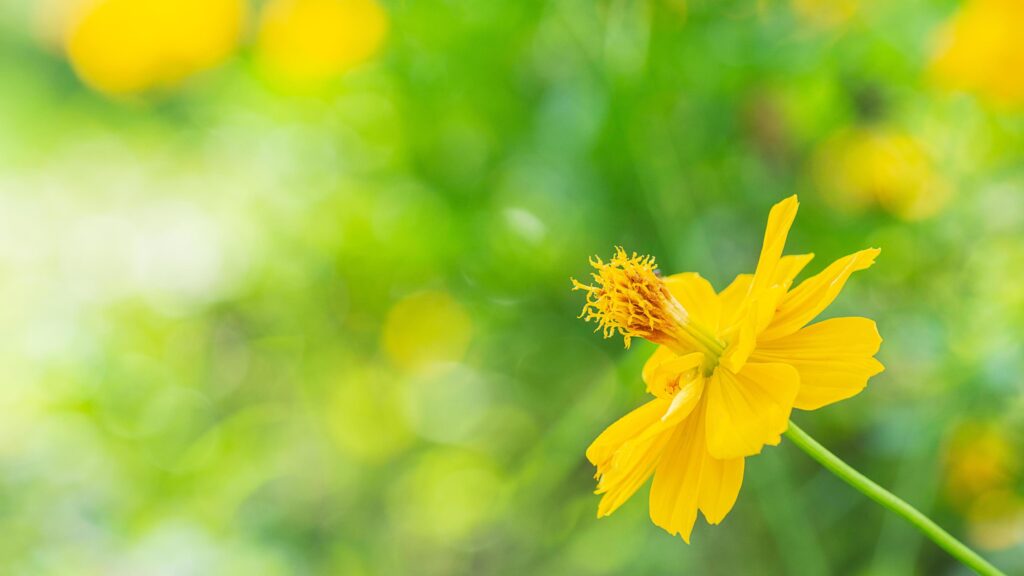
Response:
column 629, row 298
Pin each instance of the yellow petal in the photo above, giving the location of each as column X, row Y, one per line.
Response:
column 780, row 219
column 731, row 299
column 742, row 340
column 757, row 314
column 749, row 409
column 834, row 359
column 631, row 466
column 675, row 492
column 720, row 487
column 737, row 305
column 627, row 452
column 697, row 296
column 679, row 407
column 625, row 428
column 665, row 372
column 813, row 295
column 661, row 355
column 684, row 401
column 688, row 478
column 789, row 267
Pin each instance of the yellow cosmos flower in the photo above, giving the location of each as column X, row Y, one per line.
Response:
column 729, row 369
column 130, row 46
column 980, row 51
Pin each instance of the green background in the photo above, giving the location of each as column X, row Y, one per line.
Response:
column 197, row 287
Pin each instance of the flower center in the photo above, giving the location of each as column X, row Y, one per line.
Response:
column 630, row 298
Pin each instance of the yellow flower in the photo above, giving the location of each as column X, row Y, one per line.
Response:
column 980, row 51
column 729, row 369
column 980, row 459
column 129, row 46
column 310, row 41
column 859, row 166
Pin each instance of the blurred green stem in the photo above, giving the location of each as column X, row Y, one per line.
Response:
column 947, row 542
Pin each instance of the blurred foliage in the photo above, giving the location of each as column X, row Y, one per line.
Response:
column 285, row 284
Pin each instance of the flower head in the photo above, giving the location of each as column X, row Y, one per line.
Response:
column 630, row 298
column 730, row 368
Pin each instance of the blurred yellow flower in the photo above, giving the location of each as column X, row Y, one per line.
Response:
column 983, row 464
column 129, row 46
column 309, row 41
column 426, row 328
column 858, row 167
column 729, row 369
column 980, row 50
column 980, row 459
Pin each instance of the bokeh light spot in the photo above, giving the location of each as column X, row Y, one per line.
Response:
column 309, row 41
column 446, row 495
column 426, row 328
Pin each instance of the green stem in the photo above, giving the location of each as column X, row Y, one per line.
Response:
column 956, row 548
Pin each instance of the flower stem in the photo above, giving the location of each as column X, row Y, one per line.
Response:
column 956, row 548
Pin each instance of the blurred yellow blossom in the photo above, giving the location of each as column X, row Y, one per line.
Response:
column 980, row 50
column 130, row 46
column 729, row 369
column 862, row 166
column 426, row 328
column 309, row 41
column 979, row 459
column 982, row 470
